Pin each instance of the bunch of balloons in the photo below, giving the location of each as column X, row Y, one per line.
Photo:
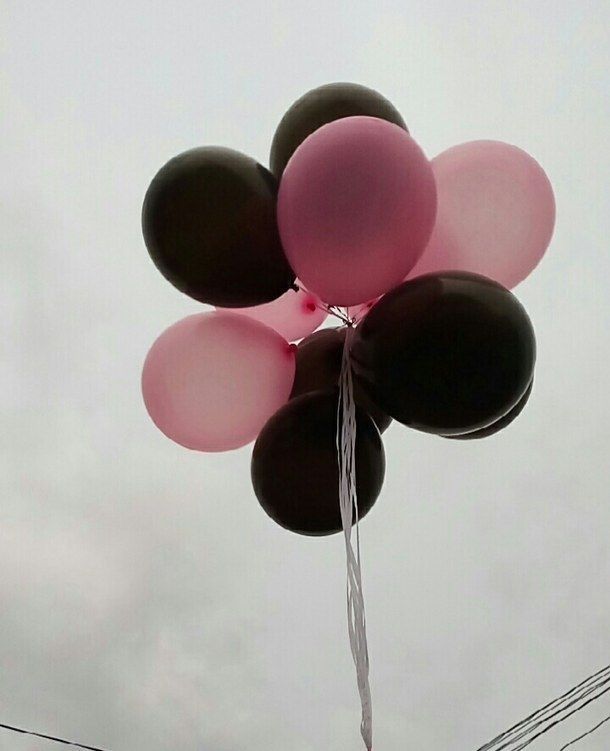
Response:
column 417, row 257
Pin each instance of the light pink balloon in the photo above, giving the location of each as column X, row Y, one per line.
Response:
column 357, row 312
column 496, row 212
column 212, row 380
column 293, row 315
column 356, row 207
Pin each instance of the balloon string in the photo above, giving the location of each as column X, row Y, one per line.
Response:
column 356, row 621
column 332, row 310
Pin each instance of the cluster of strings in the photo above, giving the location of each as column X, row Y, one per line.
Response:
column 552, row 714
column 346, row 451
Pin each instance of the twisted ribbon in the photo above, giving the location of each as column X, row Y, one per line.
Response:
column 356, row 621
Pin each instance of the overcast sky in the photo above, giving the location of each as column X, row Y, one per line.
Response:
column 146, row 601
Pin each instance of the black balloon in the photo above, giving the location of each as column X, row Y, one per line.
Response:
column 500, row 424
column 446, row 353
column 209, row 223
column 321, row 106
column 318, row 367
column 295, row 465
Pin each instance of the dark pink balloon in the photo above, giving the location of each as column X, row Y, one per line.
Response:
column 211, row 381
column 293, row 315
column 356, row 207
column 496, row 213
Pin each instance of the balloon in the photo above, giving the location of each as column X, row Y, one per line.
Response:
column 445, row 353
column 293, row 315
column 502, row 423
column 212, row 380
column 295, row 466
column 356, row 208
column 210, row 227
column 496, row 213
column 318, row 367
column 357, row 312
column 321, row 106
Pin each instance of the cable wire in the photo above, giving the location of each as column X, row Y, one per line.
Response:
column 552, row 714
column 51, row 738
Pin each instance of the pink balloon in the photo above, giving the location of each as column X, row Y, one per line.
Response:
column 212, row 380
column 356, row 207
column 496, row 212
column 357, row 312
column 293, row 315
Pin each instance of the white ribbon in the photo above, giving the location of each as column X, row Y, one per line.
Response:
column 356, row 621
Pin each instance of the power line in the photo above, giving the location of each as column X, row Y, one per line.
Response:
column 584, row 735
column 548, row 711
column 561, row 719
column 51, row 738
column 552, row 714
